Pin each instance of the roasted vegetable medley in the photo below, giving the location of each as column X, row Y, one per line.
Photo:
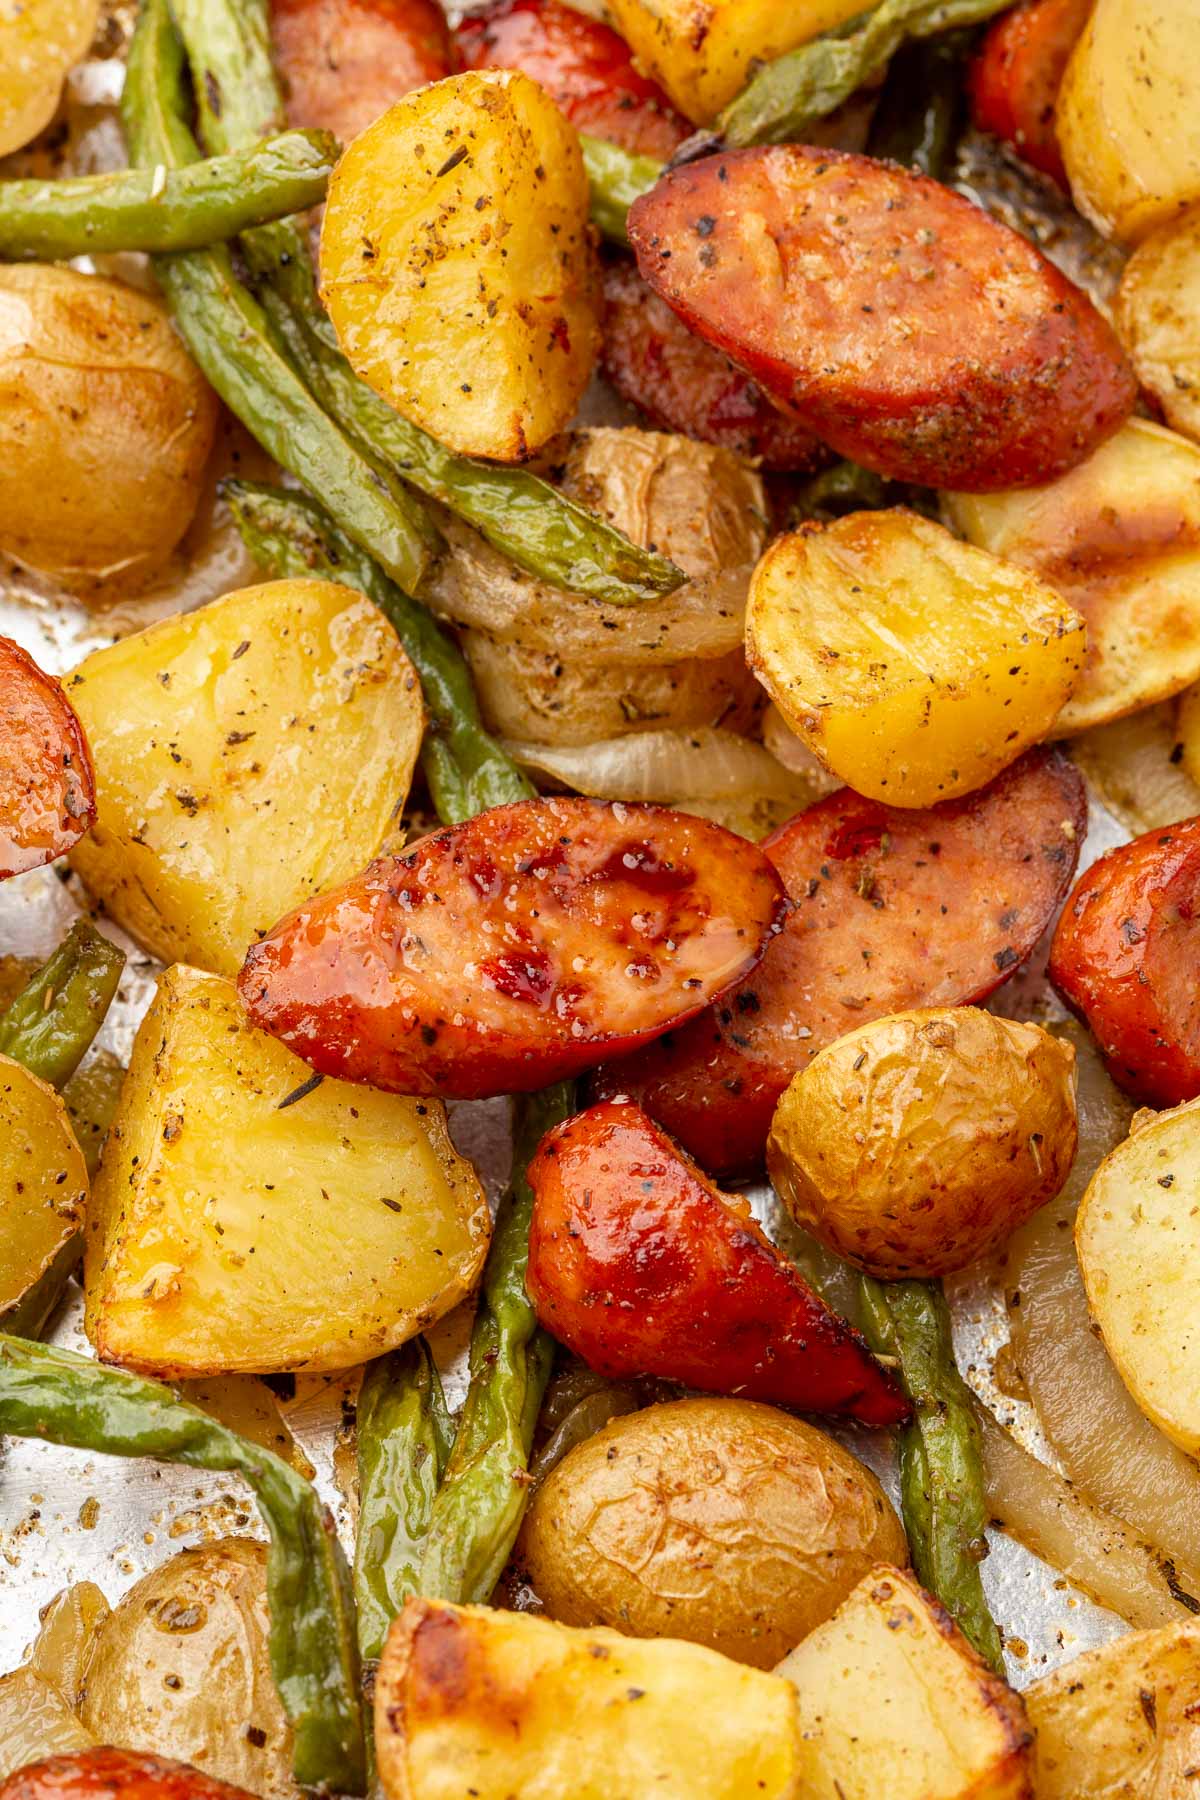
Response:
column 600, row 828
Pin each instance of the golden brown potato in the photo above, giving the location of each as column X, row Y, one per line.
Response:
column 39, row 41
column 500, row 1704
column 910, row 665
column 722, row 1521
column 43, row 1183
column 1128, row 115
column 248, row 755
column 1119, row 539
column 1137, row 1233
column 893, row 1701
column 231, row 1233
column 1110, row 1722
column 1157, row 306
column 457, row 262
column 704, row 51
column 181, row 1668
column 105, row 426
column 918, row 1142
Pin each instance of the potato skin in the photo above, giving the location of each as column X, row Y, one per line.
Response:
column 586, row 69
column 1126, row 955
column 985, row 368
column 105, row 426
column 344, row 62
column 721, row 1521
column 47, row 782
column 104, row 1774
column 681, row 383
column 892, row 909
column 41, row 40
column 919, row 1142
column 1015, row 78
column 457, row 263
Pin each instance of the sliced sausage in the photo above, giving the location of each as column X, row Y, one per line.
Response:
column 105, row 1774
column 516, row 949
column 47, row 785
column 642, row 1267
column 892, row 909
column 1015, row 78
column 343, row 62
column 903, row 325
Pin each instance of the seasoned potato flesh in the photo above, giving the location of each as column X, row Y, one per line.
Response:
column 499, row 1704
column 43, row 1180
column 704, row 51
column 911, row 665
column 894, row 1701
column 457, row 262
column 1119, row 539
column 1158, row 317
column 248, row 755
column 230, row 1233
column 1137, row 1233
column 39, row 41
column 1128, row 115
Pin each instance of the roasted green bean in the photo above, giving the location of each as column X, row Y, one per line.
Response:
column 616, row 178
column 160, row 209
column 62, row 1398
column 52, row 1021
column 923, row 107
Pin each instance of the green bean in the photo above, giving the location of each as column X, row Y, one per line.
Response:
column 522, row 516
column 52, row 1021
column 617, row 178
column 846, row 487
column 588, row 1416
column 787, row 96
column 922, row 108
column 478, row 1509
column 62, row 1398
column 404, row 1436
column 234, row 344
column 165, row 209
column 941, row 1455
column 465, row 767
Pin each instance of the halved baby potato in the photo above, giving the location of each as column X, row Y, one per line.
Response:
column 912, row 665
column 457, row 262
column 250, row 1217
column 43, row 1186
column 248, row 755
column 39, row 41
column 1119, row 539
column 1158, row 318
column 893, row 1700
column 1137, row 1234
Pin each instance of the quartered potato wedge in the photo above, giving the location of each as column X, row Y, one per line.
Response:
column 44, row 1189
column 1119, row 539
column 1158, row 317
column 250, row 1217
column 248, row 755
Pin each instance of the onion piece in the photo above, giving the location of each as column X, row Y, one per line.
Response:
column 1106, row 1445
column 714, row 773
column 64, row 1644
column 1094, row 1550
column 783, row 744
column 35, row 1722
column 1135, row 768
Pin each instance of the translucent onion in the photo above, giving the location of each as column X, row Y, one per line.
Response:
column 1134, row 765
column 783, row 744
column 1108, row 1448
column 35, row 1722
column 713, row 773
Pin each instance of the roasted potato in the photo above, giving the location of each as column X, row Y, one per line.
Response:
column 181, row 1667
column 43, row 1181
column 720, row 1521
column 40, row 40
column 1127, row 118
column 704, row 51
column 641, row 1266
column 918, row 1142
column 1017, row 72
column 1137, row 1233
column 105, row 425
column 894, row 1701
column 1118, row 539
column 248, row 1219
column 1125, row 956
column 983, row 367
column 47, row 783
column 1157, row 304
column 892, row 909
column 457, row 263
column 516, row 949
column 1107, row 1722
column 496, row 1704
column 344, row 62
column 912, row 666
column 582, row 64
column 250, row 753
